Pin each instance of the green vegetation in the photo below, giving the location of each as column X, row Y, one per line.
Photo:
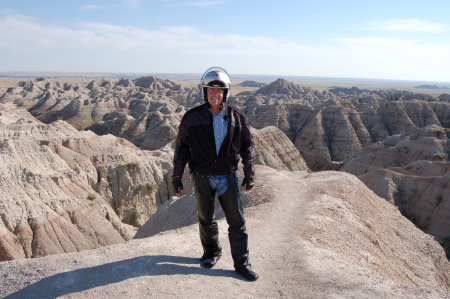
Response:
column 135, row 215
column 19, row 238
column 102, row 167
column 109, row 178
column 151, row 187
column 132, row 165
column 441, row 157
column 91, row 196
column 439, row 132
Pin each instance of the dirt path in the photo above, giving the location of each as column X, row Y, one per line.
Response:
column 167, row 265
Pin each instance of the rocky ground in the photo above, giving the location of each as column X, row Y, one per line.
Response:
column 322, row 235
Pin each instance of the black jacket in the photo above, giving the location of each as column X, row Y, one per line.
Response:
column 195, row 143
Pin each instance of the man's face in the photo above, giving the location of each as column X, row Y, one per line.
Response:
column 215, row 96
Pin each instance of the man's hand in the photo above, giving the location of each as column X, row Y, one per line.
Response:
column 248, row 181
column 177, row 185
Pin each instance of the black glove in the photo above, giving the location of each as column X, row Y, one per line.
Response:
column 177, row 184
column 248, row 181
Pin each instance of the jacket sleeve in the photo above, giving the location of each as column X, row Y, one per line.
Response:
column 182, row 148
column 247, row 151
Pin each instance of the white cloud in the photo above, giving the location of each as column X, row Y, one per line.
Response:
column 395, row 58
column 107, row 47
column 125, row 3
column 23, row 35
column 412, row 25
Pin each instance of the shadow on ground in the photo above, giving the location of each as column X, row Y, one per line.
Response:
column 87, row 278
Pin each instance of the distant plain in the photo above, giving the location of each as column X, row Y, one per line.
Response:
column 189, row 80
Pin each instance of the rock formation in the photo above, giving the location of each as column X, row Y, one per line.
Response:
column 362, row 131
column 65, row 190
column 339, row 222
column 339, row 239
column 275, row 150
column 249, row 83
column 327, row 127
column 428, row 143
column 330, row 127
column 350, row 129
column 421, row 193
column 411, row 170
column 91, row 107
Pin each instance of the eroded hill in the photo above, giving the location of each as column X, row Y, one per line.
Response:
column 358, row 131
column 65, row 190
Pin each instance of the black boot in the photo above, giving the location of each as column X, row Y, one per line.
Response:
column 247, row 272
column 210, row 262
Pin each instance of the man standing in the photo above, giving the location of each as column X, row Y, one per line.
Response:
column 212, row 138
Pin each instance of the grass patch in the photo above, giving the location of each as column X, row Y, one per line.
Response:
column 151, row 187
column 19, row 238
column 438, row 157
column 135, row 215
column 132, row 165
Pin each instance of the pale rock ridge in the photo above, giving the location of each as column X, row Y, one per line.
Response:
column 421, row 193
column 65, row 190
column 84, row 106
column 283, row 87
column 388, row 95
column 325, row 129
column 330, row 127
column 339, row 238
column 349, row 212
column 428, row 143
column 342, row 226
column 275, row 150
column 363, row 131
column 411, row 170
column 249, row 83
column 445, row 97
column 348, row 119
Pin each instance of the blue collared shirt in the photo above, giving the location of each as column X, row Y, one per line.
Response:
column 219, row 182
column 220, row 128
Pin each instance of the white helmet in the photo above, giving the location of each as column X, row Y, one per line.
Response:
column 216, row 77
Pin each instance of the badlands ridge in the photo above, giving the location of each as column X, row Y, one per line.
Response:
column 84, row 167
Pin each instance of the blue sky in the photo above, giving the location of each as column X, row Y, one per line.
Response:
column 394, row 39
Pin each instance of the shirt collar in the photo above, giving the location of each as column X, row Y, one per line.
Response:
column 206, row 106
column 222, row 110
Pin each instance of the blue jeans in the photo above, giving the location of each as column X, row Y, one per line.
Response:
column 218, row 183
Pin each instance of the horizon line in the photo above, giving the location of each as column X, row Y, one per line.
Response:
column 8, row 74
